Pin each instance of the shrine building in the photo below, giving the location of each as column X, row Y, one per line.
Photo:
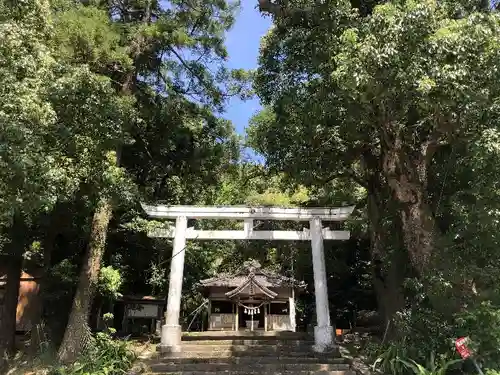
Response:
column 251, row 299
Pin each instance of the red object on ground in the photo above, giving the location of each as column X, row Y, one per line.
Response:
column 462, row 349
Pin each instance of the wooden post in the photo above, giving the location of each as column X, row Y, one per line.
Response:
column 237, row 317
column 265, row 317
column 209, row 323
column 234, row 316
column 251, row 319
column 125, row 318
column 291, row 313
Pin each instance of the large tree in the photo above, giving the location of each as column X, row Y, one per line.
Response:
column 176, row 77
column 374, row 99
column 59, row 120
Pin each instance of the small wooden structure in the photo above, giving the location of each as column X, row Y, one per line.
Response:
column 251, row 299
column 141, row 314
column 28, row 303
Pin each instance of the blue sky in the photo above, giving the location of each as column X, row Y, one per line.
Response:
column 243, row 46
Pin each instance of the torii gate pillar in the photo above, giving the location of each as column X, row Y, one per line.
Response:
column 323, row 333
column 171, row 332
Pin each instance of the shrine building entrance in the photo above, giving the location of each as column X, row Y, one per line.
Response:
column 251, row 299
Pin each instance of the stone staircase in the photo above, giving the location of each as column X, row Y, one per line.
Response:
column 248, row 354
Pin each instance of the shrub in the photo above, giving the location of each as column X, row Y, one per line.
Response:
column 433, row 368
column 389, row 361
column 394, row 360
column 481, row 323
column 105, row 356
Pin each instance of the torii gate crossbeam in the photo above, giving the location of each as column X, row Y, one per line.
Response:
column 323, row 332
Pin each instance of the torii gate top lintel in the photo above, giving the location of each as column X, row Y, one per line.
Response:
column 243, row 212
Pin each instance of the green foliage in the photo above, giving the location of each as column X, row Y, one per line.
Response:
column 276, row 194
column 482, row 324
column 409, row 79
column 389, row 360
column 106, row 356
column 396, row 359
column 157, row 278
column 53, row 146
column 86, row 35
column 110, row 282
column 26, row 70
column 433, row 368
column 64, row 272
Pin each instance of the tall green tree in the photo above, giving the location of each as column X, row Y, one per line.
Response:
column 85, row 35
column 393, row 94
column 170, row 49
column 374, row 100
column 24, row 112
column 59, row 120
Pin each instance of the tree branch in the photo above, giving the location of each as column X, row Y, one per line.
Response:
column 348, row 175
column 252, row 175
column 186, row 65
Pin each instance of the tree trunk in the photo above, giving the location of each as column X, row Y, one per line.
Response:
column 387, row 268
column 418, row 233
column 14, row 262
column 37, row 329
column 390, row 295
column 95, row 312
column 57, row 218
column 8, row 321
column 406, row 174
column 77, row 331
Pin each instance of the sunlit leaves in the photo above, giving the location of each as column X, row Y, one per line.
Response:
column 424, row 72
column 59, row 118
column 85, row 35
column 26, row 71
column 110, row 282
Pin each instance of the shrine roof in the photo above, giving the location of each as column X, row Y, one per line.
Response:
column 252, row 268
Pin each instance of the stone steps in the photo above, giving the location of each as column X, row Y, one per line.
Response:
column 251, row 354
column 251, row 348
column 251, row 341
column 244, row 348
column 183, row 359
column 263, row 368
column 289, row 354
column 252, row 372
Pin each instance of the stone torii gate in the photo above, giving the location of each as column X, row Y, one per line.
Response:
column 323, row 332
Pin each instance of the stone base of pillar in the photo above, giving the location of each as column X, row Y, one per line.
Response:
column 323, row 339
column 170, row 339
